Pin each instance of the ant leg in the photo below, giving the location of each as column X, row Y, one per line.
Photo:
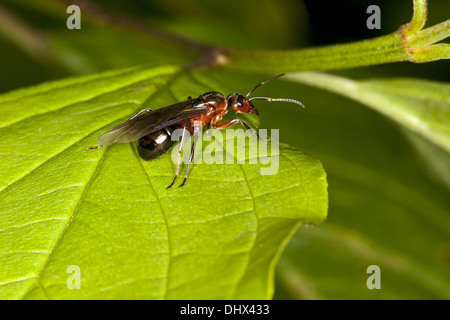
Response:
column 196, row 133
column 244, row 124
column 94, row 148
column 180, row 149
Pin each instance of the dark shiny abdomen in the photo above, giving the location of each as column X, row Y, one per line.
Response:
column 155, row 144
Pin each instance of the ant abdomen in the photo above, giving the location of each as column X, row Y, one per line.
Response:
column 155, row 144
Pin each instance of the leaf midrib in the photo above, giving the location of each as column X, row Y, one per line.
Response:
column 169, row 249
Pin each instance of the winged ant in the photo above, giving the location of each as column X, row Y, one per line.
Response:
column 152, row 129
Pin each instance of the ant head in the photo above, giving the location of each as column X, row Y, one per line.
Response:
column 241, row 104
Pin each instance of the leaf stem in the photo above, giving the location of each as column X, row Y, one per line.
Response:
column 419, row 17
column 362, row 53
column 431, row 35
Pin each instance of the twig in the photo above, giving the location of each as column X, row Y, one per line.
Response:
column 29, row 39
column 210, row 55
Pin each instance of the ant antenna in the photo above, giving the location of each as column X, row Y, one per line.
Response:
column 263, row 83
column 277, row 99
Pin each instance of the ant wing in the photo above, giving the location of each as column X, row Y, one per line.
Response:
column 147, row 121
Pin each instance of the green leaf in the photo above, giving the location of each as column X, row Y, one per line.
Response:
column 109, row 213
column 436, row 160
column 420, row 106
column 383, row 207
